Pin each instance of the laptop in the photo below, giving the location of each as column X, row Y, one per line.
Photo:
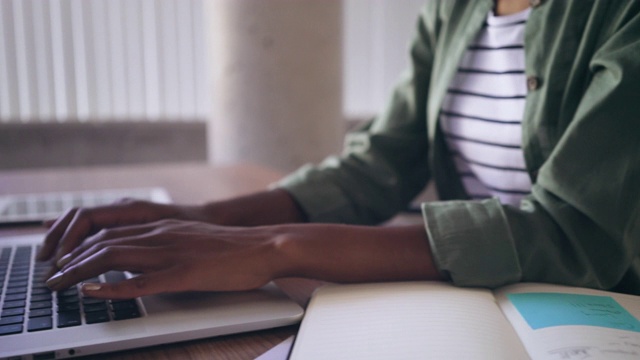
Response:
column 37, row 323
column 33, row 208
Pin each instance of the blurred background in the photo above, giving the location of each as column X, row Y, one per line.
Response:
column 272, row 82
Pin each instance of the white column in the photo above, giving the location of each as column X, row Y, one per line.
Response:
column 276, row 81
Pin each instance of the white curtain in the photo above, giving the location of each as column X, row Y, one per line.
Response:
column 102, row 60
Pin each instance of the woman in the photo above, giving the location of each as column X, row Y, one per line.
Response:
column 562, row 205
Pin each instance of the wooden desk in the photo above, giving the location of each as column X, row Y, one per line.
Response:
column 186, row 183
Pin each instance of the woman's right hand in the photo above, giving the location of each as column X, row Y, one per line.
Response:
column 70, row 230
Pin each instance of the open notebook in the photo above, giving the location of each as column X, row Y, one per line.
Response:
column 423, row 320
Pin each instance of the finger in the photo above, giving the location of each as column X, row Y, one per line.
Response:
column 122, row 258
column 124, row 233
column 48, row 223
column 146, row 284
column 106, row 239
column 87, row 221
column 54, row 234
column 133, row 235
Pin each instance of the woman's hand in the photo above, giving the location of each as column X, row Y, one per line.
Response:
column 69, row 230
column 262, row 208
column 171, row 256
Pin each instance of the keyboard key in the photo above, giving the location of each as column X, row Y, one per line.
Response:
column 95, row 307
column 18, row 283
column 18, row 290
column 12, row 312
column 40, row 290
column 68, row 307
column 23, row 250
column 8, row 320
column 10, row 329
column 69, row 318
column 97, row 317
column 123, row 304
column 42, row 265
column 40, row 273
column 21, row 265
column 40, row 323
column 40, row 297
column 67, row 300
column 20, row 268
column 19, row 277
column 15, row 297
column 14, row 304
column 69, row 292
column 126, row 314
column 20, row 261
column 88, row 301
column 40, row 276
column 40, row 312
column 40, row 305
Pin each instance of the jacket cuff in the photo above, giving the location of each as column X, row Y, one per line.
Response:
column 472, row 243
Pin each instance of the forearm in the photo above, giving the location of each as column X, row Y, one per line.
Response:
column 263, row 208
column 340, row 253
column 208, row 257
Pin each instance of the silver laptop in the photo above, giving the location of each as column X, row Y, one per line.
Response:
column 33, row 208
column 37, row 323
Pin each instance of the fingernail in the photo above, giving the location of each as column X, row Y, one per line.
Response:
column 63, row 261
column 55, row 279
column 91, row 287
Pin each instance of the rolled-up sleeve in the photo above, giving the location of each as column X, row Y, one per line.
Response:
column 471, row 242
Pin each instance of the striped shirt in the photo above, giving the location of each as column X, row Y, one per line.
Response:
column 482, row 112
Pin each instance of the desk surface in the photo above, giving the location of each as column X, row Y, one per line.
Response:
column 186, row 183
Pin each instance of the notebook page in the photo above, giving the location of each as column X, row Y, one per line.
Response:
column 414, row 320
column 558, row 322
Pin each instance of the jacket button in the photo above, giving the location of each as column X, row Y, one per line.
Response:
column 535, row 3
column 533, row 83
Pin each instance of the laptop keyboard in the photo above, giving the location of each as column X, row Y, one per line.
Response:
column 28, row 305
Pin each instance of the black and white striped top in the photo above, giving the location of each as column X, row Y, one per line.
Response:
column 482, row 113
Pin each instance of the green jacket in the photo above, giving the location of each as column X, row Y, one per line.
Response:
column 581, row 142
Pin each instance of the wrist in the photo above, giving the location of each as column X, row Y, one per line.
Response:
column 285, row 255
column 340, row 253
